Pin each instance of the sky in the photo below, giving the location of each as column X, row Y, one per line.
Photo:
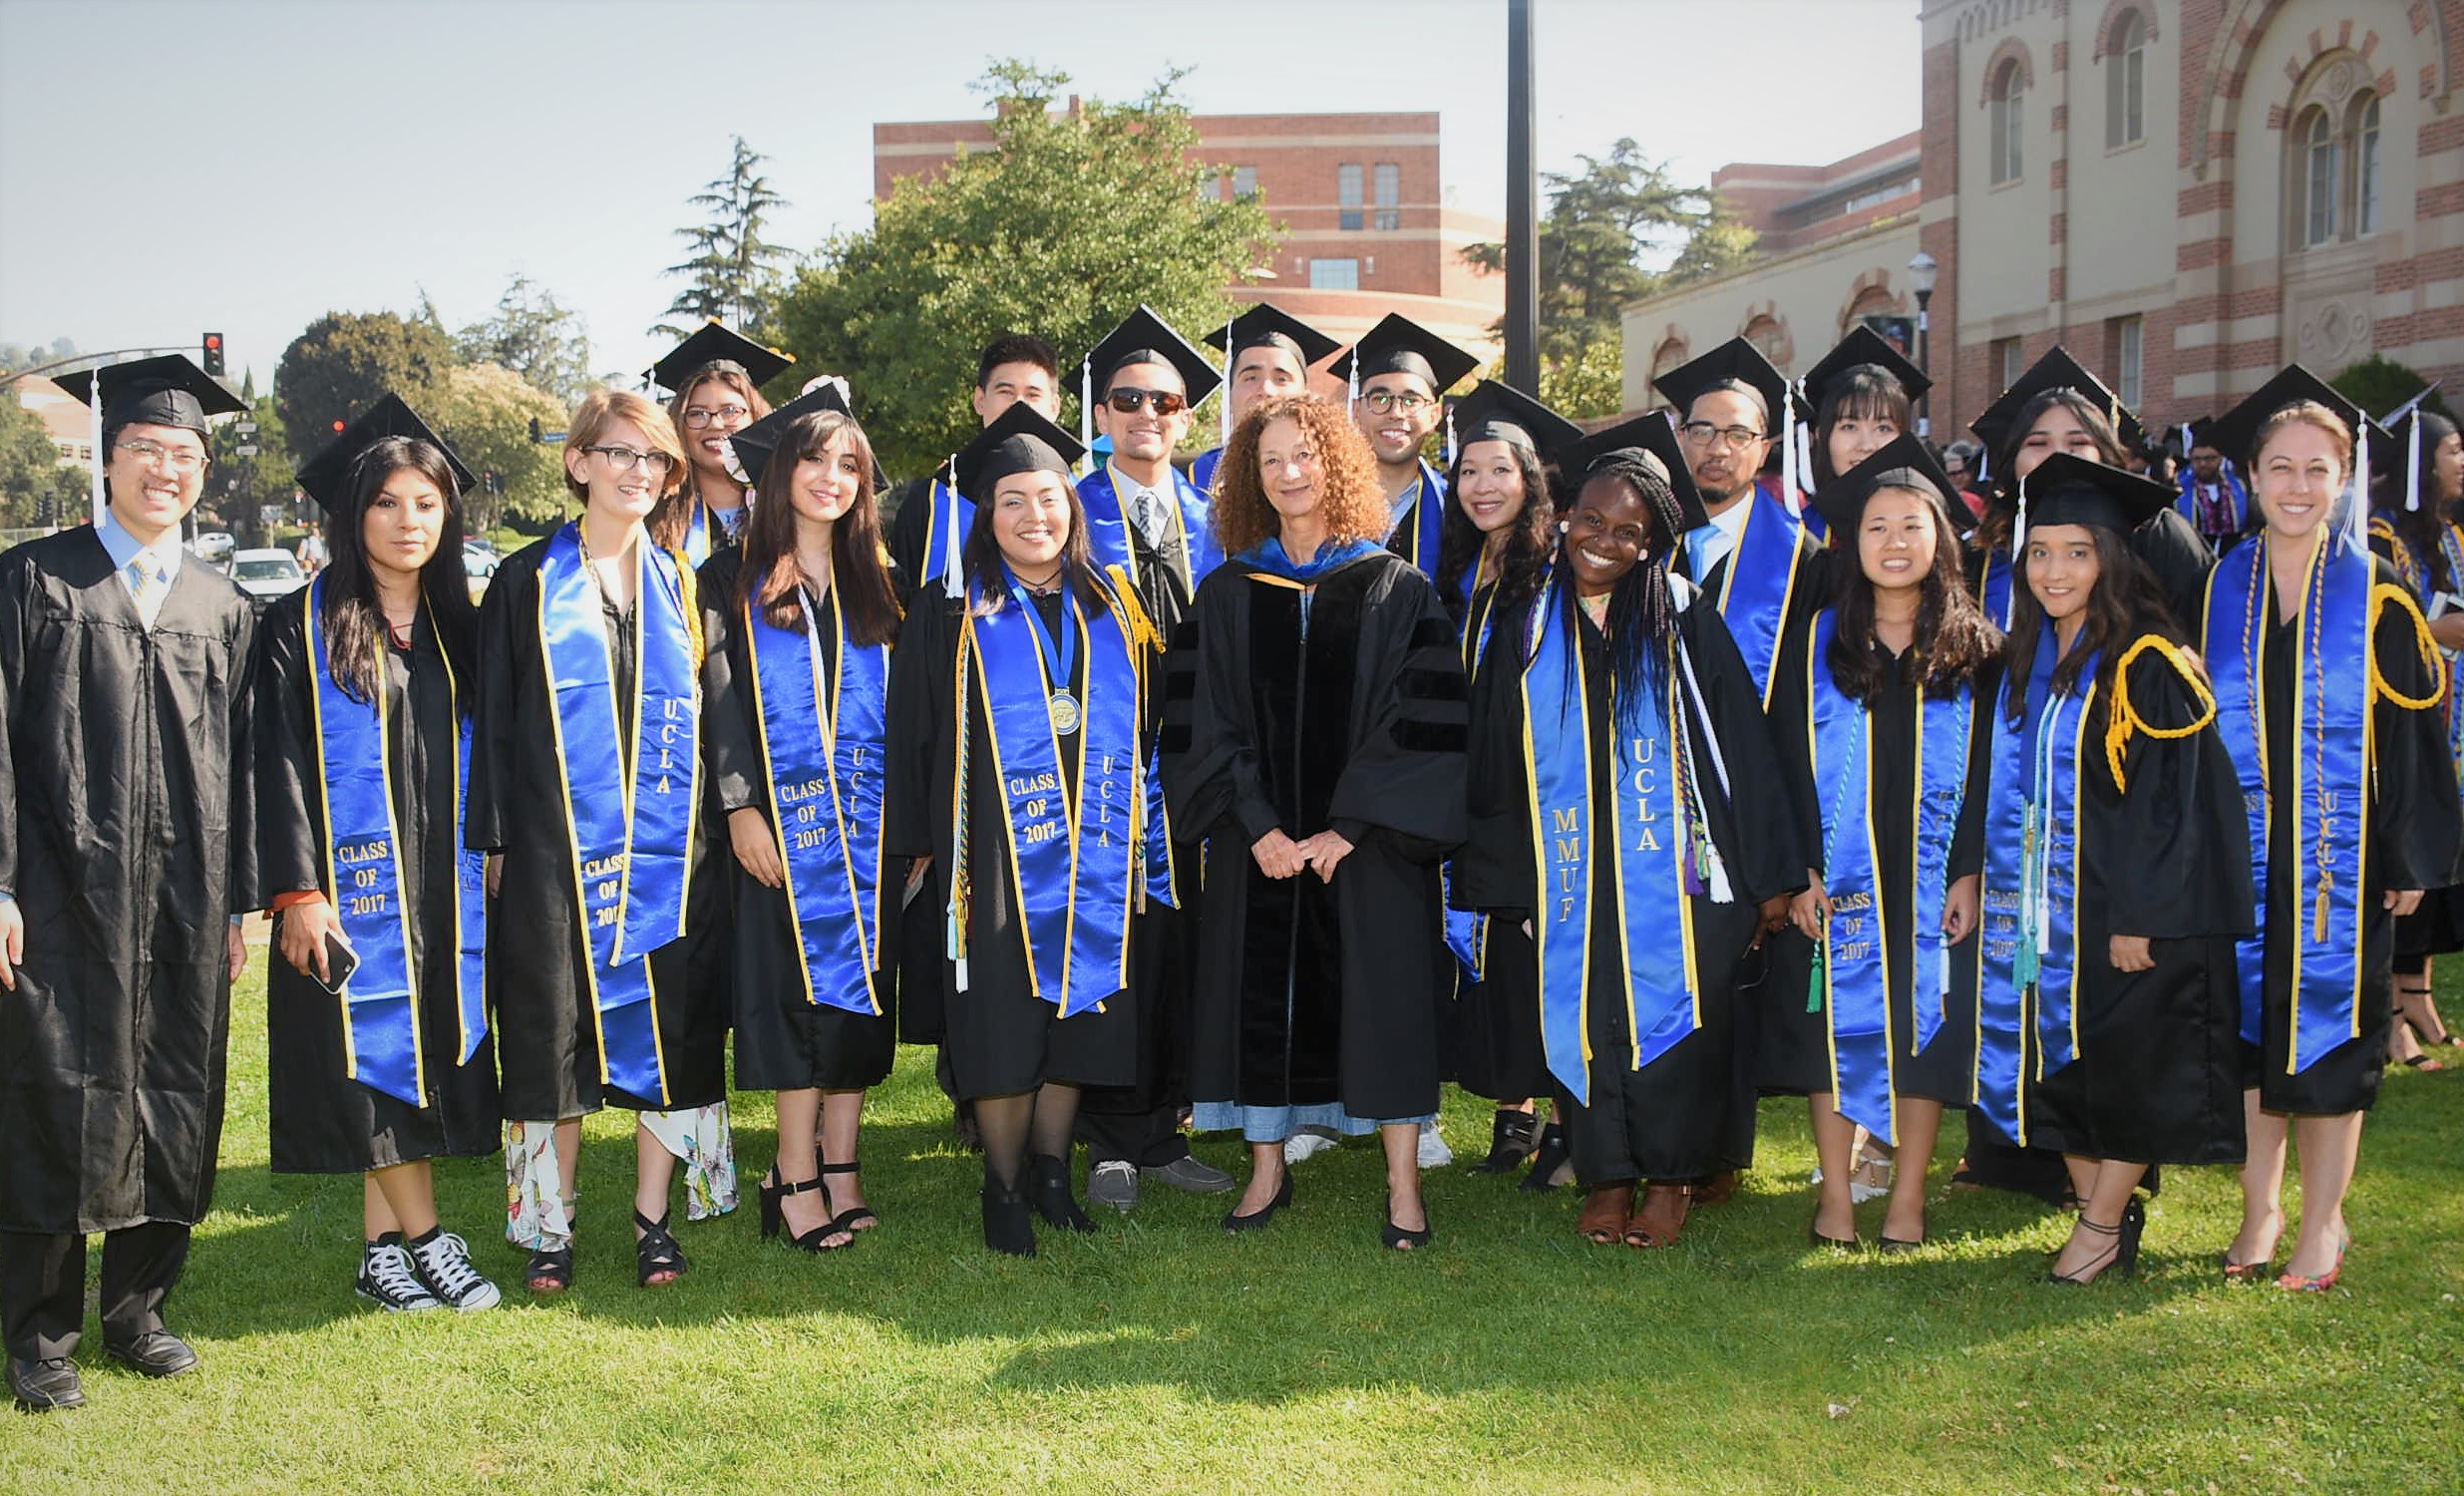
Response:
column 169, row 167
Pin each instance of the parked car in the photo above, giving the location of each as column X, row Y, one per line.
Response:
column 481, row 564
column 268, row 574
column 212, row 545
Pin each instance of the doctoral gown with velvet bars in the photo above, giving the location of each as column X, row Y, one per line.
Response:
column 1790, row 1047
column 2166, row 857
column 1310, row 992
column 324, row 1122
column 784, row 1040
column 2414, row 832
column 128, row 839
column 1677, row 1117
column 1000, row 1036
column 547, row 1045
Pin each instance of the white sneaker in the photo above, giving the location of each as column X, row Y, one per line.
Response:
column 386, row 1281
column 1434, row 1154
column 444, row 1267
column 1306, row 1144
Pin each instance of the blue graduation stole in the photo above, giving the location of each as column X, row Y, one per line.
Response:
column 946, row 534
column 1761, row 580
column 363, row 878
column 1108, row 529
column 2235, row 496
column 1994, row 588
column 1466, row 931
column 2335, row 681
column 2029, row 947
column 2418, row 574
column 825, row 765
column 1855, row 966
column 1644, row 851
column 1076, row 864
column 1202, row 471
column 1417, row 520
column 697, row 535
column 629, row 813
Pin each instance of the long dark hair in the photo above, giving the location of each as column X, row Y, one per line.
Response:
column 673, row 516
column 356, row 635
column 1643, row 612
column 1529, row 535
column 2003, row 503
column 2421, row 529
column 1953, row 637
column 860, row 566
column 2125, row 604
column 989, row 575
column 1867, row 391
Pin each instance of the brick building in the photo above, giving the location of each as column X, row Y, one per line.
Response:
column 1362, row 197
column 2186, row 192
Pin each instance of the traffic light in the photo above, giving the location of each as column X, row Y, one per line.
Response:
column 213, row 354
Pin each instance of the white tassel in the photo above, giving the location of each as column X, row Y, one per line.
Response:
column 2358, row 495
column 1351, row 379
column 2412, row 465
column 1788, row 440
column 2019, row 543
column 953, row 584
column 1085, row 408
column 1222, row 410
column 94, row 406
column 1450, row 436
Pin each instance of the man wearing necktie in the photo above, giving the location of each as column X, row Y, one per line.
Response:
column 126, row 849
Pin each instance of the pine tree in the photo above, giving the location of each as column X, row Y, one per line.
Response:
column 732, row 274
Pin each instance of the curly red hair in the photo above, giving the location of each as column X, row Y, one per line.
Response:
column 1352, row 507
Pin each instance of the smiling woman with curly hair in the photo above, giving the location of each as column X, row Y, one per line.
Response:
column 1319, row 748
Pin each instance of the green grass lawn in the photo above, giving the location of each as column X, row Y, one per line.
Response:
column 1161, row 1355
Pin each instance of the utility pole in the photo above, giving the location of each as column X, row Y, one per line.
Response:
column 1521, row 189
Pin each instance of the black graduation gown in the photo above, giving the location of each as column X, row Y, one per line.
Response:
column 324, row 1122
column 784, row 1040
column 128, row 842
column 2437, row 926
column 1000, row 1038
column 1677, row 1117
column 1308, row 993
column 547, row 1045
column 1493, row 1045
column 910, row 506
column 918, row 947
column 2414, row 827
column 1789, row 1047
column 2168, row 858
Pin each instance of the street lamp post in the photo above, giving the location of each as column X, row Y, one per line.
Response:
column 1923, row 271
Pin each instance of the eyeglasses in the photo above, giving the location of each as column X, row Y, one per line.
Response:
column 1387, row 402
column 1127, row 401
column 731, row 415
column 1704, row 434
column 169, row 459
column 622, row 459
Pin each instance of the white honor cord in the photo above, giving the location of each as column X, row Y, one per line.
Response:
column 1702, row 713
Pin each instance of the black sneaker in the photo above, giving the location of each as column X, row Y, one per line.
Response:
column 387, row 1279
column 442, row 1263
column 39, row 1387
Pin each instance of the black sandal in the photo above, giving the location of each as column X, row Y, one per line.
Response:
column 656, row 1252
column 549, row 1272
column 855, row 1218
column 1547, row 1159
column 1397, row 1239
column 819, row 1238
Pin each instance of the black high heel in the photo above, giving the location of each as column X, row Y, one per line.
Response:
column 772, row 1191
column 1512, row 1138
column 2122, row 1257
column 1053, row 1200
column 1547, row 1159
column 817, row 1239
column 855, row 1218
column 1237, row 1223
column 656, row 1252
column 1397, row 1237
column 1009, row 1224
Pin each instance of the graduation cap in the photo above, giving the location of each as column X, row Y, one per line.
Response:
column 753, row 445
column 1263, row 326
column 2236, row 432
column 1496, row 412
column 1904, row 463
column 1654, row 434
column 326, row 475
column 714, row 344
column 1862, row 347
column 1142, row 338
column 2405, row 432
column 1398, row 345
column 166, row 391
column 2057, row 370
column 1785, row 408
column 2066, row 489
column 1019, row 439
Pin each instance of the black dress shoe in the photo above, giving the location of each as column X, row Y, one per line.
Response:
column 39, row 1387
column 157, row 1353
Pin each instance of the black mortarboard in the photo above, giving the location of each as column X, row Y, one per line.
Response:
column 753, row 445
column 2057, row 370
column 716, row 343
column 2409, row 424
column 1262, row 327
column 1739, row 360
column 1145, row 338
column 1861, row 347
column 2233, row 432
column 1497, row 412
column 1903, row 463
column 166, row 391
column 1398, row 345
column 326, row 477
column 2066, row 489
column 1655, row 434
column 1019, row 439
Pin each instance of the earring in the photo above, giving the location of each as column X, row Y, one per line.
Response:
column 1566, row 527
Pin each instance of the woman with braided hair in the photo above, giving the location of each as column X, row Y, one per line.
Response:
column 1618, row 737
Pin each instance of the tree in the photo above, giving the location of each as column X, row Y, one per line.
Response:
column 239, row 487
column 536, row 337
column 1714, row 249
column 1065, row 224
column 2379, row 384
column 485, row 412
column 733, row 273
column 35, row 486
column 13, row 356
column 344, row 363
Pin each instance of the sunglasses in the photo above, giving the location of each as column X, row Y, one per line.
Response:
column 1127, row 401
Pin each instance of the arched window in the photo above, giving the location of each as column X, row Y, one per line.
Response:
column 2322, row 178
column 2366, row 166
column 2002, row 122
column 1766, row 334
column 1669, row 355
column 2126, row 82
